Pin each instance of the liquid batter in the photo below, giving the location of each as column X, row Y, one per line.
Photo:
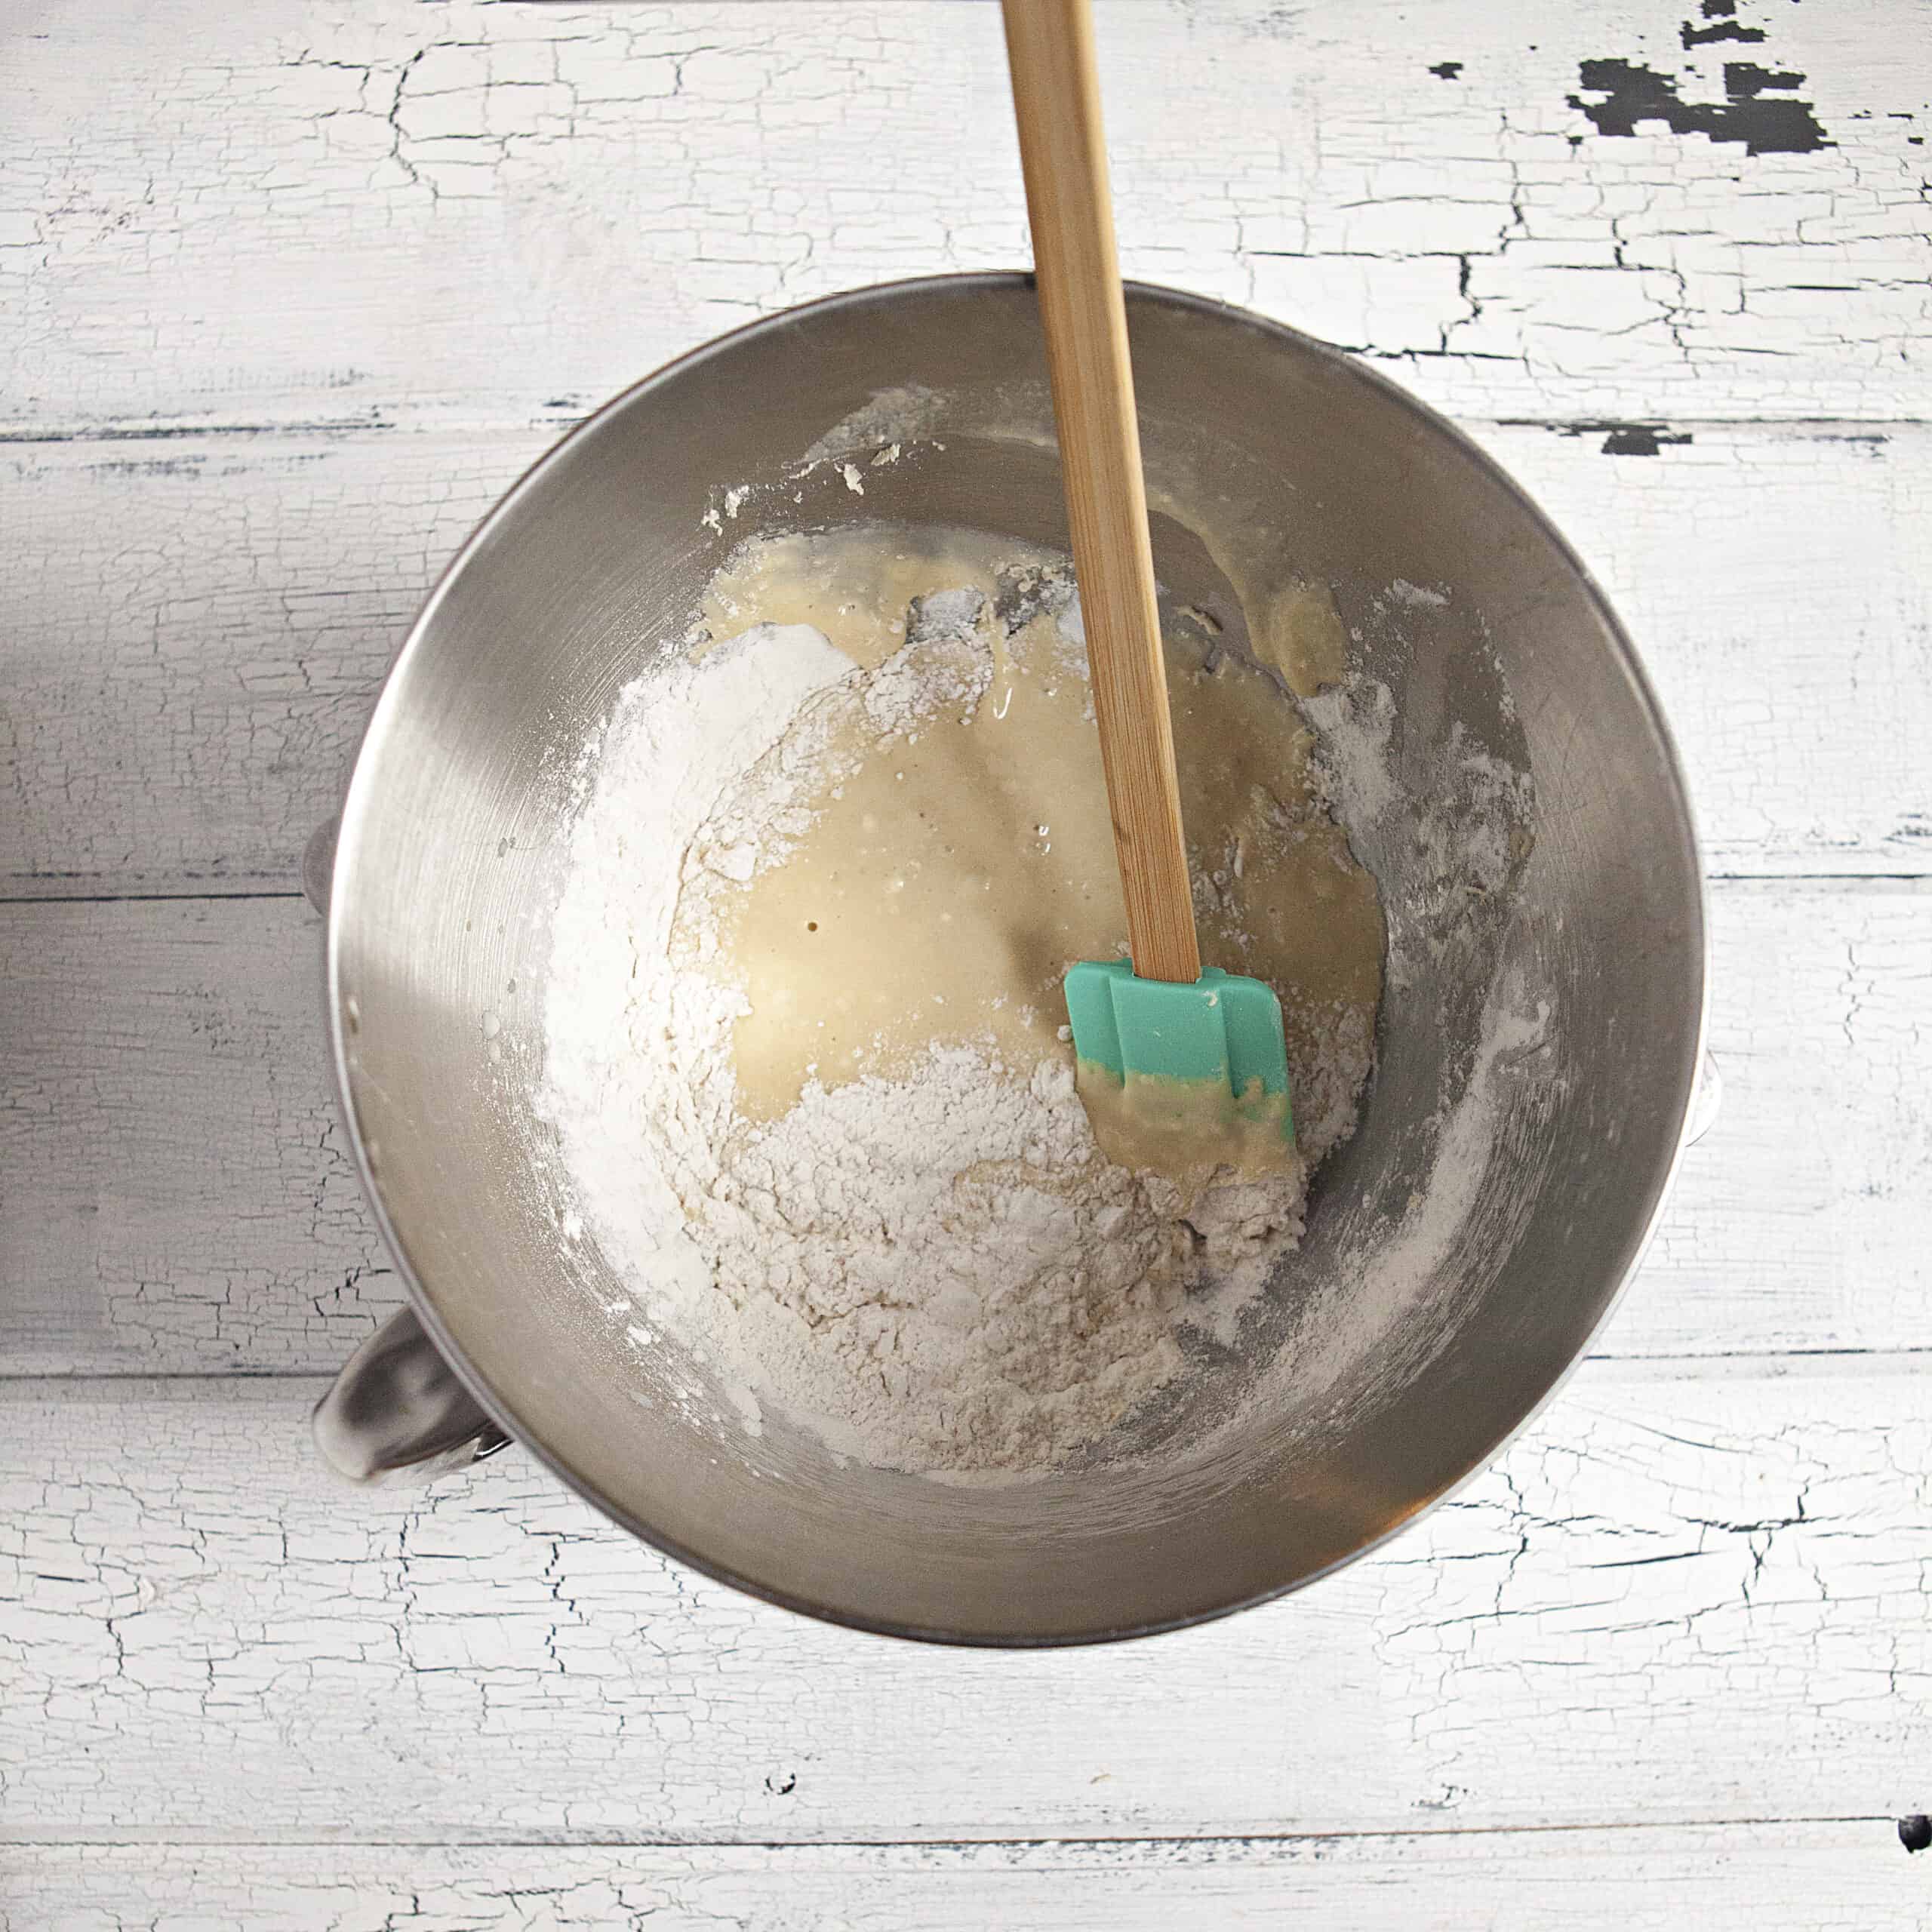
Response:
column 950, row 853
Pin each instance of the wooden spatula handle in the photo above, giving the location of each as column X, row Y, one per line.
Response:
column 1056, row 98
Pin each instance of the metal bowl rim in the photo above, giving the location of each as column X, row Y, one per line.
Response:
column 355, row 807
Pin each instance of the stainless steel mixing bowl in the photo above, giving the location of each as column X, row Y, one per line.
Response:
column 1459, row 1257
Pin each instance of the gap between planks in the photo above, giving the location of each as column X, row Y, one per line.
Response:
column 1822, row 428
column 1151, row 1844
column 190, row 894
column 1605, row 1365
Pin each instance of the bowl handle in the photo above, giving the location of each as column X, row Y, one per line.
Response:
column 1705, row 1103
column 318, row 864
column 397, row 1409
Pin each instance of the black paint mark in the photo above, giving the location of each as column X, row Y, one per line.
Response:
column 1744, row 81
column 1446, row 70
column 1718, row 10
column 1724, row 30
column 1628, row 439
column 1633, row 94
column 1915, row 1831
column 782, row 1787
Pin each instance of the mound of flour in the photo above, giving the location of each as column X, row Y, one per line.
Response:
column 938, row 1273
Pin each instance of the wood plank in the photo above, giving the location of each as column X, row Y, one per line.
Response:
column 1083, row 322
column 1823, row 1877
column 471, row 211
column 176, row 1195
column 1679, row 1601
column 196, row 629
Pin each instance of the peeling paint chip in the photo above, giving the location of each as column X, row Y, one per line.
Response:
column 1633, row 95
column 1628, row 438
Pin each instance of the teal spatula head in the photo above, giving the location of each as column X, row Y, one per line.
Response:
column 1179, row 1078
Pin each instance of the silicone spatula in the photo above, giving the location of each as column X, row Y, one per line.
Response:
column 1179, row 1045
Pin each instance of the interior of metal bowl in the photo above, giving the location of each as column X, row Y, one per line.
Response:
column 1459, row 1257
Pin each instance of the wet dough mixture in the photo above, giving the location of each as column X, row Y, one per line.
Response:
column 958, row 854
column 861, row 1188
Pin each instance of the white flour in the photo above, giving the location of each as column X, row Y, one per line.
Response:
column 1473, row 824
column 938, row 1274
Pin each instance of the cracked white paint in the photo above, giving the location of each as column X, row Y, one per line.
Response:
column 177, row 1192
column 196, row 636
column 1847, row 1876
column 1677, row 1601
column 1797, row 1222
column 468, row 209
column 1775, row 585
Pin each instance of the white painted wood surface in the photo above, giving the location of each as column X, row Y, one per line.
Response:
column 467, row 210
column 288, row 294
column 1685, row 1597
